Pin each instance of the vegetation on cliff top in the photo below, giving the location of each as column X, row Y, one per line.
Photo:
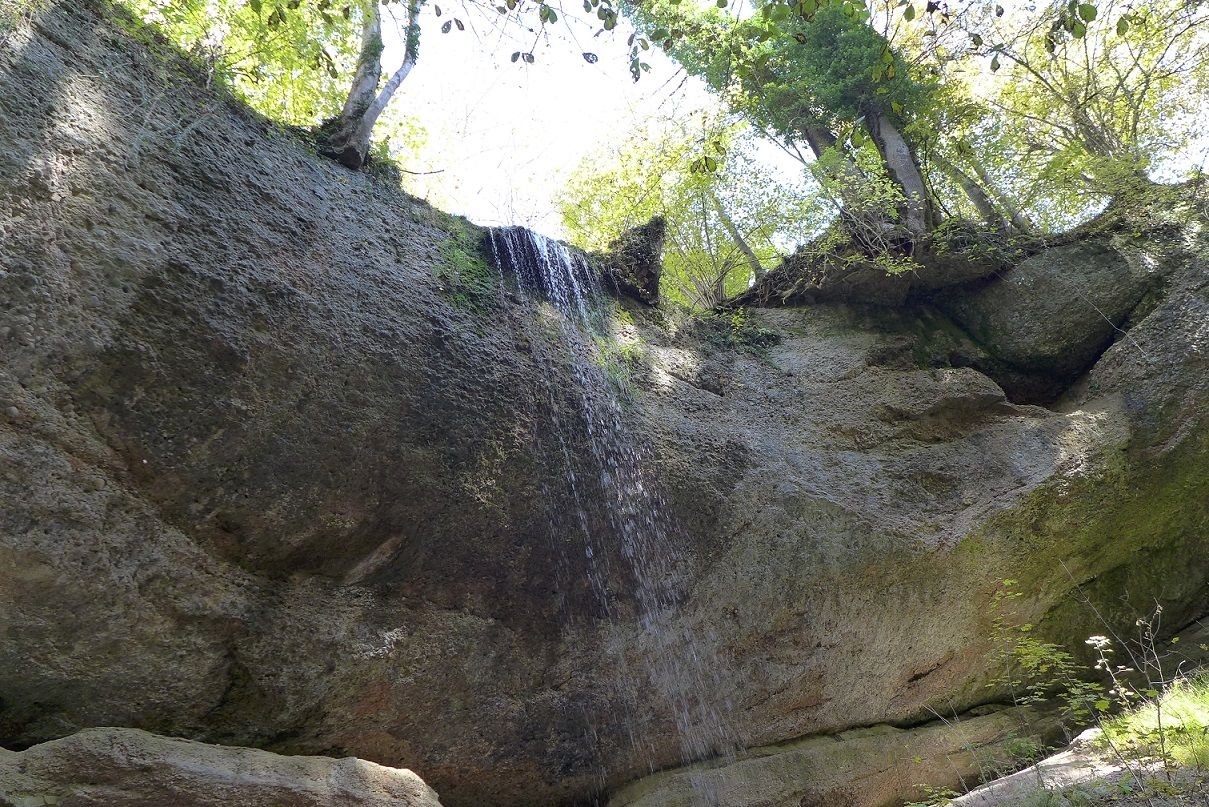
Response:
column 900, row 118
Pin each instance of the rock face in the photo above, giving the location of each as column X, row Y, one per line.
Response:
column 881, row 765
column 634, row 263
column 280, row 468
column 108, row 767
column 1055, row 313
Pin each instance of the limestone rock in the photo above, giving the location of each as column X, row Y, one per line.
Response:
column 276, row 481
column 634, row 262
column 112, row 767
column 1056, row 312
column 874, row 767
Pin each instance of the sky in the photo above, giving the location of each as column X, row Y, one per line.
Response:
column 505, row 136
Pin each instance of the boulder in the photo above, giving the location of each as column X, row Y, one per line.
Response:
column 881, row 766
column 1056, row 312
column 634, row 262
column 113, row 767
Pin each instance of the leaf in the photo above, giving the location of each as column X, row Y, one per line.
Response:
column 445, row 28
column 591, row 58
column 528, row 57
column 459, row 24
column 909, row 14
column 516, row 54
column 998, row 11
column 1078, row 30
column 437, row 10
column 1122, row 26
column 1088, row 12
column 994, row 62
column 897, row 107
column 255, row 6
column 977, row 40
column 721, row 3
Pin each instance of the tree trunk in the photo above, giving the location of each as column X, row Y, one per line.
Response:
column 1019, row 220
column 903, row 168
column 975, row 192
column 819, row 139
column 753, row 260
column 347, row 139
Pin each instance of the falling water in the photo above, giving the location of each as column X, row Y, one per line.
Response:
column 680, row 664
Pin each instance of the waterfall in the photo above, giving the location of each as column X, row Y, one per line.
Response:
column 679, row 664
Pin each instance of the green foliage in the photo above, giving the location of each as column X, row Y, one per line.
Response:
column 710, row 215
column 933, row 797
column 1174, row 722
column 735, row 328
column 289, row 60
column 1072, row 122
column 1032, row 670
column 835, row 63
column 465, row 275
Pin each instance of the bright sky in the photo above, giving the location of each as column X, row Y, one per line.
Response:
column 505, row 136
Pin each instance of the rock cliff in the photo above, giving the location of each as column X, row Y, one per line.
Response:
column 274, row 473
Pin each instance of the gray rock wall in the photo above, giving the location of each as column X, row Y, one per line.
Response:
column 272, row 477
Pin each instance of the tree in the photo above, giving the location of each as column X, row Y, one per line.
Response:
column 828, row 80
column 1106, row 106
column 288, row 63
column 725, row 211
column 307, row 62
column 346, row 138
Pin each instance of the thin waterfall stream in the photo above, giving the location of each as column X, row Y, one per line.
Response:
column 678, row 664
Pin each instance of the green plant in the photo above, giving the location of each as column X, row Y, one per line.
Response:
column 621, row 362
column 735, row 328
column 463, row 272
column 15, row 13
column 1035, row 671
column 933, row 797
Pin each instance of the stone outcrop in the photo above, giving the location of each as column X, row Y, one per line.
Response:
column 634, row 264
column 881, row 765
column 279, row 470
column 114, row 767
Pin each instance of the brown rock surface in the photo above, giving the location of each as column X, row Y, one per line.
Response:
column 276, row 473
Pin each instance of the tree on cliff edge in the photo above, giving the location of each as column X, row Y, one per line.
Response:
column 346, row 138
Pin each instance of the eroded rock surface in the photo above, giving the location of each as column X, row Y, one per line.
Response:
column 279, row 469
column 880, row 765
column 112, row 767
